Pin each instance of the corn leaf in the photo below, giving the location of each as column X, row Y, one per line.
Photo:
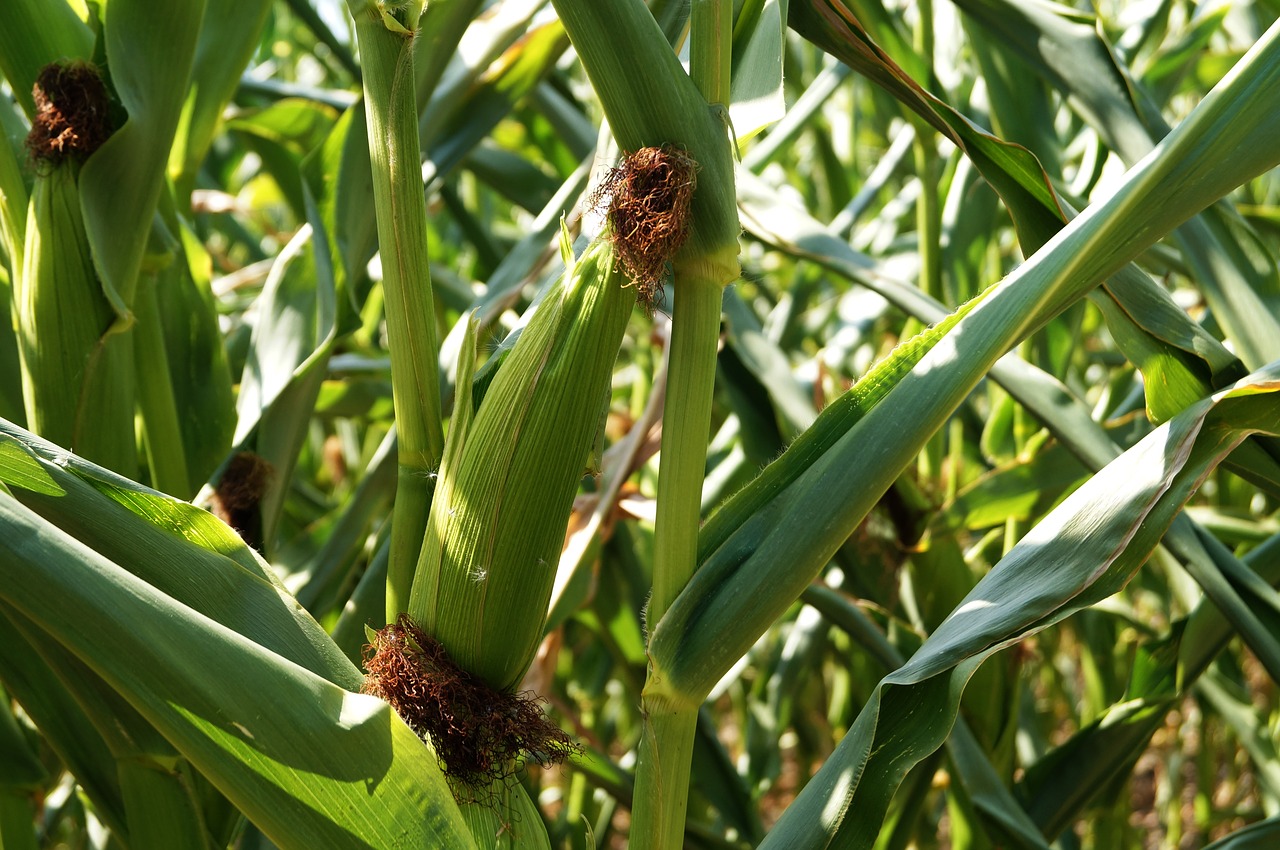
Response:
column 835, row 493
column 367, row 780
column 756, row 89
column 150, row 51
column 1086, row 550
column 34, row 33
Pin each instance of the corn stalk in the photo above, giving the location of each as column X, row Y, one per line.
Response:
column 666, row 106
column 386, row 38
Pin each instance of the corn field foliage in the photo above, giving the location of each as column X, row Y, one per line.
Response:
column 576, row 424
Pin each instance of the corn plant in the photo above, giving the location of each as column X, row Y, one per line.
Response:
column 817, row 423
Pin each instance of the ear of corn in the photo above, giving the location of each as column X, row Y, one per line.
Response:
column 77, row 371
column 498, row 521
column 503, row 499
column 459, row 425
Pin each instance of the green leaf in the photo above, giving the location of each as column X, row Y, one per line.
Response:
column 150, row 51
column 197, row 359
column 1064, row 45
column 1258, row 836
column 282, row 133
column 229, row 34
column 1010, row 169
column 820, row 507
column 1104, row 95
column 1172, row 379
column 34, row 33
column 454, row 123
column 19, row 469
column 756, row 87
column 167, row 543
column 1236, row 273
column 19, row 766
column 288, row 361
column 65, row 724
column 13, row 209
column 1085, row 550
column 1058, row 786
column 266, row 732
column 100, row 736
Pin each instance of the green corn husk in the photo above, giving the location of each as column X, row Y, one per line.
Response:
column 502, row 502
column 509, row 820
column 77, row 373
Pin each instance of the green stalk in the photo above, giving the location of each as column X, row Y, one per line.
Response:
column 664, row 106
column 663, row 765
column 386, row 52
column 666, row 747
column 695, row 331
column 928, row 217
column 710, row 53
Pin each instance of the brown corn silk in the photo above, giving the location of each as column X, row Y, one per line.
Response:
column 72, row 117
column 648, row 199
column 480, row 735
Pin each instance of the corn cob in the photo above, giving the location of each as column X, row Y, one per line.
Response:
column 498, row 519
column 78, row 383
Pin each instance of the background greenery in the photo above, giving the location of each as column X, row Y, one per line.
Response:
column 162, row 688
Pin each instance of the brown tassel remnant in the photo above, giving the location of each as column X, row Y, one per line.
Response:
column 649, row 198
column 480, row 735
column 72, row 113
column 236, row 497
